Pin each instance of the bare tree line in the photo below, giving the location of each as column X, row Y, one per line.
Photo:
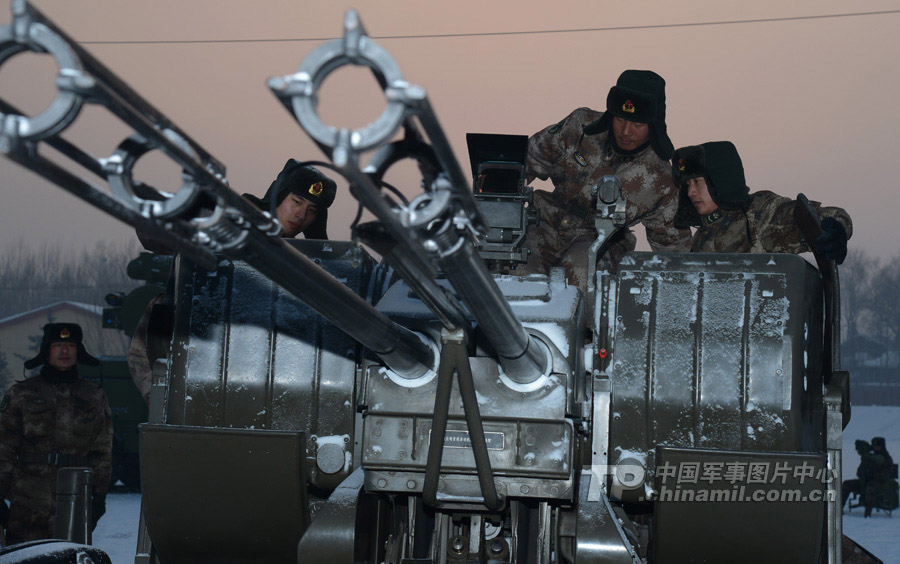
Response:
column 32, row 276
column 870, row 297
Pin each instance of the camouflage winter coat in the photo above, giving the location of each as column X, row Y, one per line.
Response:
column 47, row 422
column 767, row 226
column 574, row 162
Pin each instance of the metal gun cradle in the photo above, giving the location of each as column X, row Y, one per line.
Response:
column 311, row 408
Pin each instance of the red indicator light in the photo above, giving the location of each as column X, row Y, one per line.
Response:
column 602, row 354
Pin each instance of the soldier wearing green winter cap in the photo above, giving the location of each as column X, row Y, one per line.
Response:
column 48, row 421
column 300, row 197
column 630, row 141
column 714, row 197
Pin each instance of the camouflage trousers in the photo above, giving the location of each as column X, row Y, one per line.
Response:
column 32, row 505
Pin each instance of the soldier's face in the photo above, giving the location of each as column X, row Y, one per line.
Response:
column 630, row 134
column 295, row 214
column 698, row 192
column 62, row 355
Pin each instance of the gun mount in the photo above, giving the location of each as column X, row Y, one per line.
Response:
column 497, row 420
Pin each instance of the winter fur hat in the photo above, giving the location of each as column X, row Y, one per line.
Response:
column 719, row 163
column 62, row 332
column 639, row 96
column 309, row 184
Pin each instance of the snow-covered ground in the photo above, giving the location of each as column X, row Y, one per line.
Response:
column 880, row 534
column 117, row 531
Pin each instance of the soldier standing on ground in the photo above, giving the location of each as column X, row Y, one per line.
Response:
column 714, row 197
column 879, row 489
column 48, row 421
column 628, row 141
column 874, row 475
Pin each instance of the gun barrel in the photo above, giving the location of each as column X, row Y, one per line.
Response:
column 432, row 225
column 522, row 357
column 402, row 350
column 447, row 310
column 202, row 218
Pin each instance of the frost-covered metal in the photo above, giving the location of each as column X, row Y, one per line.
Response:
column 312, row 407
column 714, row 351
column 246, row 354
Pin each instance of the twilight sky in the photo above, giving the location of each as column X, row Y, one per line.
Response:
column 811, row 104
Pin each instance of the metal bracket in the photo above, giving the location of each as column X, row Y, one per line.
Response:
column 455, row 359
column 609, row 217
column 834, row 446
column 28, row 33
column 119, row 168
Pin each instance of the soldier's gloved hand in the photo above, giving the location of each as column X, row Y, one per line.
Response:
column 833, row 241
column 4, row 513
column 98, row 508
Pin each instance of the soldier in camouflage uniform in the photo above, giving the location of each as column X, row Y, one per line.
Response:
column 628, row 141
column 51, row 420
column 714, row 197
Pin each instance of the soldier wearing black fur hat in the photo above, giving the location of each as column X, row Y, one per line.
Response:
column 300, row 197
column 628, row 140
column 874, row 482
column 880, row 488
column 714, row 197
column 48, row 421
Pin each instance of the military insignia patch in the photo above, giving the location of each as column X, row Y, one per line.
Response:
column 628, row 107
column 4, row 403
column 557, row 127
column 316, row 189
column 580, row 159
column 64, row 334
column 713, row 217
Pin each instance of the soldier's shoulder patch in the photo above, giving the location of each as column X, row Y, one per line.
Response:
column 4, row 403
column 557, row 127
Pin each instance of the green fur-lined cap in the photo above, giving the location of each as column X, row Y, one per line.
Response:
column 639, row 96
column 62, row 333
column 306, row 182
column 720, row 164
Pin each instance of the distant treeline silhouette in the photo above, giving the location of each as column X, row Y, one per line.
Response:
column 35, row 275
column 870, row 297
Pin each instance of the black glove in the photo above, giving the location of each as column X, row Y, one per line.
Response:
column 98, row 508
column 832, row 243
column 4, row 514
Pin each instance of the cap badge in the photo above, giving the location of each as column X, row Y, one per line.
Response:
column 316, row 189
column 64, row 334
column 628, row 107
column 680, row 165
